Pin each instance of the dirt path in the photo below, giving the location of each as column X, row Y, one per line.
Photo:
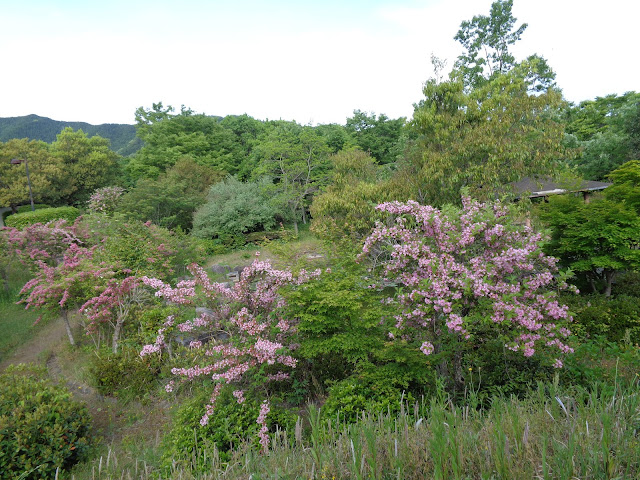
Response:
column 111, row 420
column 39, row 346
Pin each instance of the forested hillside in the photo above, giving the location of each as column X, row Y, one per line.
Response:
column 122, row 137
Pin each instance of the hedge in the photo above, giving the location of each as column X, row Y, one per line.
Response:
column 21, row 220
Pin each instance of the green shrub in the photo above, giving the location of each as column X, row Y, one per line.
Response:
column 21, row 220
column 23, row 209
column 126, row 374
column 230, row 424
column 234, row 208
column 41, row 427
column 374, row 391
column 613, row 317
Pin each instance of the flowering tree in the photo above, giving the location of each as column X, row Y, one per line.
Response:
column 58, row 288
column 468, row 276
column 105, row 200
column 113, row 305
column 44, row 242
column 245, row 325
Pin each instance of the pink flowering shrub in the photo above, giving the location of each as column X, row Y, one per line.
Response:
column 44, row 242
column 57, row 289
column 246, row 326
column 467, row 278
column 113, row 305
column 105, row 200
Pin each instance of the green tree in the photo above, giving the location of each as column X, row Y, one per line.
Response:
column 607, row 132
column 481, row 139
column 596, row 239
column 170, row 200
column 344, row 212
column 378, row 135
column 86, row 164
column 169, row 137
column 487, row 40
column 234, row 208
column 296, row 158
column 43, row 169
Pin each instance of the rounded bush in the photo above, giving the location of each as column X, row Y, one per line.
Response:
column 230, row 424
column 21, row 220
column 41, row 427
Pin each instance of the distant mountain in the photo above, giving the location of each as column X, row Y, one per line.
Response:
column 123, row 137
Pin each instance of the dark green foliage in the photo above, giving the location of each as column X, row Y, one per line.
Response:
column 125, row 374
column 230, row 424
column 44, row 215
column 122, row 137
column 234, row 208
column 607, row 132
column 599, row 362
column 41, row 427
column 615, row 318
column 380, row 135
column 170, row 200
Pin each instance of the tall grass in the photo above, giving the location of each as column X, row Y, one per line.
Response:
column 554, row 434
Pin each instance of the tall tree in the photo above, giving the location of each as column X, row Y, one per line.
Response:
column 86, row 165
column 487, row 41
column 43, row 168
column 296, row 158
column 379, row 135
column 481, row 139
column 168, row 137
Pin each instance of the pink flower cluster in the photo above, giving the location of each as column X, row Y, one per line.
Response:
column 249, row 314
column 459, row 268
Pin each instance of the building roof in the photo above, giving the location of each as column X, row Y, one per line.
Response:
column 544, row 186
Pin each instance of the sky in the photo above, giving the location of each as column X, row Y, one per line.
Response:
column 314, row 62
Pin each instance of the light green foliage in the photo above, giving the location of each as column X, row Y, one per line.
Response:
column 44, row 215
column 626, row 185
column 169, row 137
column 143, row 248
column 344, row 212
column 378, row 135
column 482, row 139
column 296, row 158
column 43, row 170
column 170, row 200
column 234, row 208
column 377, row 391
column 339, row 318
column 86, row 164
column 41, row 427
column 596, row 239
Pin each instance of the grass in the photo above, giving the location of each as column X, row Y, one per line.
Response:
column 553, row 434
column 16, row 325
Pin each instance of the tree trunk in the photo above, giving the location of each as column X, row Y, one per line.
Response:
column 65, row 317
column 116, row 335
column 304, row 215
column 609, row 276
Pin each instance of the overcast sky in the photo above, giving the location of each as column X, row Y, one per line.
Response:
column 309, row 61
